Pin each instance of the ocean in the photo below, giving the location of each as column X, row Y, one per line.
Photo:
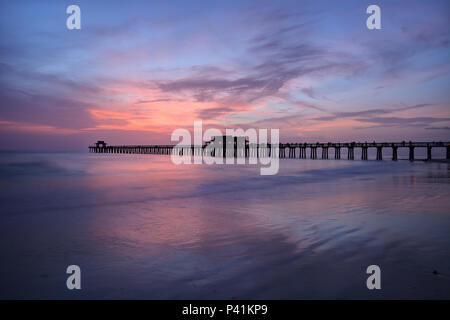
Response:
column 139, row 226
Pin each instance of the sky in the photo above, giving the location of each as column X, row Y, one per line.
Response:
column 138, row 70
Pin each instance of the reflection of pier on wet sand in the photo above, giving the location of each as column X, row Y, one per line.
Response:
column 243, row 148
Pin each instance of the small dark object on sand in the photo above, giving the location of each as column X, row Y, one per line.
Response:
column 435, row 272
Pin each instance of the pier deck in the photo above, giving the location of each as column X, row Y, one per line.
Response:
column 284, row 150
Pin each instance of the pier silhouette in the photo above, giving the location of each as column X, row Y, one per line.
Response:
column 239, row 147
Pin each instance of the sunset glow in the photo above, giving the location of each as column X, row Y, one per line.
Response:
column 135, row 74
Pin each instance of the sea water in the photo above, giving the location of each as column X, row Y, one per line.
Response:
column 139, row 226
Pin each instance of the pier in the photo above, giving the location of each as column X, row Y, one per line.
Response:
column 284, row 150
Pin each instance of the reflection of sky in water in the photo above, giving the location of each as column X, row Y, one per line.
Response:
column 140, row 226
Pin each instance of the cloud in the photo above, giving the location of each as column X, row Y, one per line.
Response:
column 370, row 112
column 399, row 121
column 213, row 113
column 437, row 128
column 44, row 109
column 139, row 101
column 34, row 128
column 52, row 81
column 270, row 62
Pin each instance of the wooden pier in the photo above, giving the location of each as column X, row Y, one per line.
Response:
column 284, row 150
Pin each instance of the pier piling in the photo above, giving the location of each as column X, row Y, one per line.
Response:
column 394, row 153
column 351, row 153
column 379, row 153
column 364, row 153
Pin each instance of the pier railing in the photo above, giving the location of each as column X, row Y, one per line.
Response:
column 283, row 150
